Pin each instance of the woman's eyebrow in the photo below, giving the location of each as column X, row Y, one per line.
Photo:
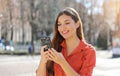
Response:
column 64, row 20
column 67, row 20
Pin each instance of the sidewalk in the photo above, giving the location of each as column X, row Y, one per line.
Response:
column 106, row 65
column 104, row 53
column 18, row 65
column 26, row 65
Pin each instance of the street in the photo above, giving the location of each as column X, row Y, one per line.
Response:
column 26, row 65
column 18, row 65
column 106, row 65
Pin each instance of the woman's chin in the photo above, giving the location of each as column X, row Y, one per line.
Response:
column 66, row 37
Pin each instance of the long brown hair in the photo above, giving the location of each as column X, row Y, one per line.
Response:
column 57, row 38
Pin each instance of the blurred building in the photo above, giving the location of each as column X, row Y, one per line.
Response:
column 111, row 13
column 17, row 16
column 12, row 25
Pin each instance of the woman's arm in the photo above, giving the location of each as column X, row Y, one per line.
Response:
column 59, row 59
column 41, row 71
column 89, row 61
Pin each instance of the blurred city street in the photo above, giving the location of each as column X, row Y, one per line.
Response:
column 106, row 65
column 24, row 23
column 18, row 65
column 26, row 65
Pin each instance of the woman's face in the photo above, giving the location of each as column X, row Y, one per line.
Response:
column 67, row 26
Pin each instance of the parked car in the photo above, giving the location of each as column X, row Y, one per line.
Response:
column 2, row 47
column 9, row 48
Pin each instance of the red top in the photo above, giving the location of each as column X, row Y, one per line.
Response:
column 82, row 59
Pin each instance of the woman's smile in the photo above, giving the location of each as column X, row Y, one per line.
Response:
column 65, row 32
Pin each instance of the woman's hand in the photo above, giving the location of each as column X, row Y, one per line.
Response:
column 44, row 57
column 53, row 55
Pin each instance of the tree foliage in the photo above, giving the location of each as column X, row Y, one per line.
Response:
column 40, row 16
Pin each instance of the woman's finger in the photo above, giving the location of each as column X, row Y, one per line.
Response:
column 51, row 52
column 42, row 48
column 54, row 51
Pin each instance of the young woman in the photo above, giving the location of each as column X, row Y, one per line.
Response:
column 70, row 55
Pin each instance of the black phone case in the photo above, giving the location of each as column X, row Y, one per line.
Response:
column 46, row 41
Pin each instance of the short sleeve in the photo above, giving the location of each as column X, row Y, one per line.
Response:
column 89, row 61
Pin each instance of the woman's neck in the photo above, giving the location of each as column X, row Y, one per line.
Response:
column 71, row 44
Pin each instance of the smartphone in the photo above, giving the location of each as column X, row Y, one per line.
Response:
column 46, row 41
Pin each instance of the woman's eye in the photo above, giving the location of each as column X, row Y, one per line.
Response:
column 59, row 24
column 67, row 23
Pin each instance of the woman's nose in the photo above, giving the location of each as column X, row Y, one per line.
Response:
column 63, row 26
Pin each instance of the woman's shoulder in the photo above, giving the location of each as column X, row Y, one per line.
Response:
column 87, row 47
column 88, row 51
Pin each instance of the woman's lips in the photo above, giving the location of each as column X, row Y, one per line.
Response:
column 65, row 32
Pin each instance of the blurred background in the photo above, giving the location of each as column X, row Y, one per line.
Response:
column 23, row 22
